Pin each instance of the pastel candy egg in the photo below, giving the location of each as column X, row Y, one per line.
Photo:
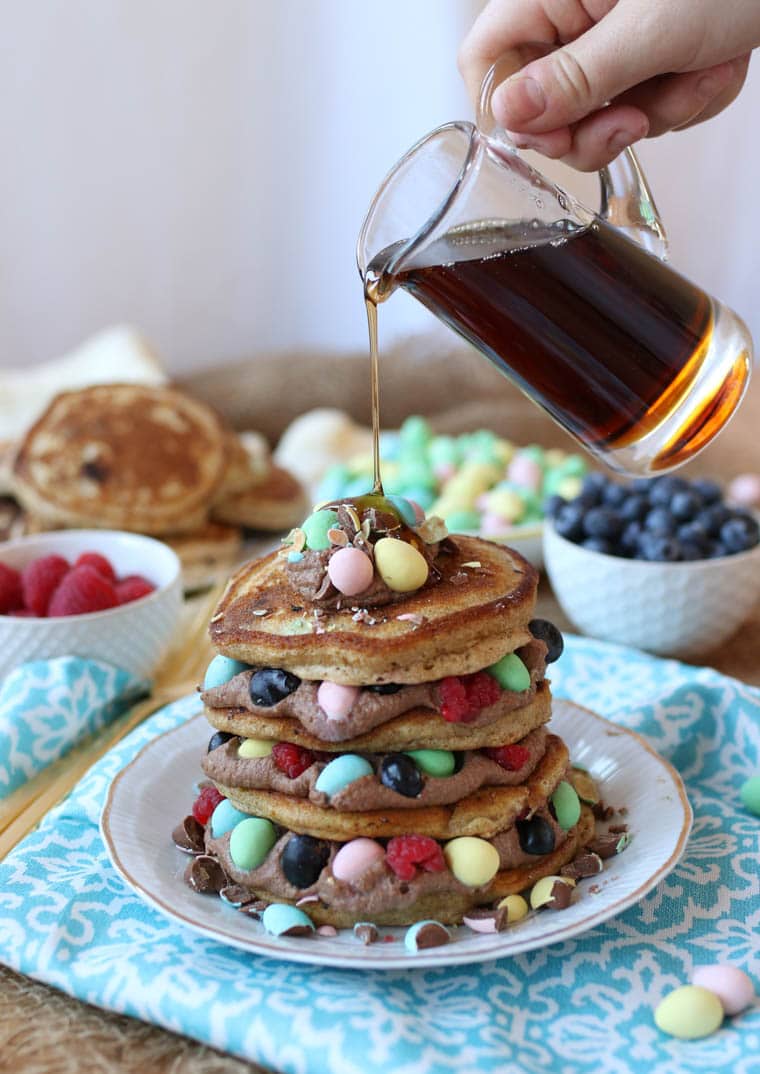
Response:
column 420, row 498
column 516, row 907
column 731, row 985
column 400, row 565
column 567, row 805
column 354, row 858
column 473, row 861
column 279, row 918
column 419, row 511
column 426, row 934
column 491, row 524
column 342, row 771
column 510, row 673
column 255, row 747
column 316, row 526
column 541, row 894
column 224, row 818
column 336, row 700
column 457, row 521
column 434, row 762
column 405, row 509
column 744, row 490
column 573, row 465
column 570, row 487
column 221, row 670
column 507, row 503
column 750, row 795
column 415, row 433
column 525, row 471
column 444, row 470
column 350, row 571
column 251, row 841
column 690, row 1012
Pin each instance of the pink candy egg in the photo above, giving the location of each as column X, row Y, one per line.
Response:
column 491, row 524
column 744, row 490
column 335, row 700
column 525, row 472
column 444, row 471
column 355, row 858
column 350, row 571
column 731, row 985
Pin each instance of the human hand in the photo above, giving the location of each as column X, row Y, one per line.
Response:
column 612, row 73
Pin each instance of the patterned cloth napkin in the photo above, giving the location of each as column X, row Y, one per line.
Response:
column 47, row 706
column 585, row 1004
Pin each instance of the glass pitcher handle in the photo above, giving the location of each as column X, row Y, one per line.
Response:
column 627, row 204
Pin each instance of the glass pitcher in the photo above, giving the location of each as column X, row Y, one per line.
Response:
column 578, row 308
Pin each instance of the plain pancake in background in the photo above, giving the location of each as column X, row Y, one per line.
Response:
column 455, row 629
column 123, row 457
column 207, row 555
column 275, row 502
column 248, row 463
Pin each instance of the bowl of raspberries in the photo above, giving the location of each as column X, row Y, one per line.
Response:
column 664, row 564
column 105, row 595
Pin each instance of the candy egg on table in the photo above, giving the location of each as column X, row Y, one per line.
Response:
column 731, row 985
column 345, row 769
column 744, row 490
column 689, row 1012
column 492, row 525
column 354, row 858
column 473, row 861
column 251, row 841
column 524, row 470
column 350, row 570
column 400, row 565
column 505, row 502
column 281, row 919
column 336, row 700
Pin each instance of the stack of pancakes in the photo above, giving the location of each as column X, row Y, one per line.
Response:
column 151, row 460
column 392, row 777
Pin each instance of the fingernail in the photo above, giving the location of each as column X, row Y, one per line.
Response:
column 710, row 86
column 522, row 98
column 620, row 140
column 524, row 141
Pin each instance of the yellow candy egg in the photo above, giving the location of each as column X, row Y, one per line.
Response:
column 255, row 747
column 506, row 503
column 570, row 487
column 473, row 861
column 689, row 1012
column 541, row 892
column 554, row 457
column 516, row 907
column 400, row 565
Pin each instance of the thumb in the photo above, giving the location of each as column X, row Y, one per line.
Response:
column 582, row 76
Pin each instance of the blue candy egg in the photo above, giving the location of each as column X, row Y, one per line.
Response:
column 221, row 670
column 442, row 935
column 342, row 771
column 405, row 509
column 279, row 917
column 425, row 497
column 224, row 818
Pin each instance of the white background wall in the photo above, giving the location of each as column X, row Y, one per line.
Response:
column 201, row 169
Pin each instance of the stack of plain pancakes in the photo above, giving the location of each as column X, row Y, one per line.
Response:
column 384, row 756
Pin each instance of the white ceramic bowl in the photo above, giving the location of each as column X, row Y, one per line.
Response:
column 134, row 636
column 671, row 609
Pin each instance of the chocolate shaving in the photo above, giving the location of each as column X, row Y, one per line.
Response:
column 189, row 836
column 601, row 811
column 346, row 521
column 617, row 829
column 584, row 865
column 366, row 932
column 205, row 875
column 236, row 895
column 338, row 537
column 431, row 935
column 562, row 895
column 606, row 846
column 325, row 587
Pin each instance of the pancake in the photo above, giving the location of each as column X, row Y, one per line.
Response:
column 273, row 502
column 207, row 555
column 122, row 456
column 465, row 622
column 416, row 729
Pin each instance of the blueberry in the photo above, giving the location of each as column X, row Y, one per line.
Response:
column 270, row 685
column 592, row 490
column 614, row 494
column 664, row 489
column 690, row 551
column 602, row 522
column 536, row 835
column 218, row 740
column 385, row 688
column 458, row 761
column 633, row 508
column 569, row 522
column 739, row 534
column 659, row 548
column 660, row 522
column 693, row 533
column 710, row 491
column 303, row 859
column 550, row 635
column 716, row 550
column 399, row 772
column 630, row 538
column 553, row 505
column 684, row 505
column 599, row 544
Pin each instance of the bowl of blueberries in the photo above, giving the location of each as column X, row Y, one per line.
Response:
column 662, row 564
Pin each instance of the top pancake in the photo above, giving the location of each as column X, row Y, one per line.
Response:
column 465, row 622
column 124, row 456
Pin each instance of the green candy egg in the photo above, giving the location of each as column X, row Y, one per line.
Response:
column 457, row 521
column 534, row 452
column 443, row 451
column 433, row 762
column 415, row 471
column 510, row 673
column 573, row 465
column 689, row 1012
column 316, row 526
column 251, row 841
column 750, row 795
column 415, row 432
column 567, row 805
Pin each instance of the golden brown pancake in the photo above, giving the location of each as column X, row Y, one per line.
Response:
column 465, row 622
column 207, row 555
column 275, row 501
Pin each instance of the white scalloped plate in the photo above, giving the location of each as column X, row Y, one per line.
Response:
column 154, row 792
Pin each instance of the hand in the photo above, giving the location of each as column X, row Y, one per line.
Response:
column 612, row 73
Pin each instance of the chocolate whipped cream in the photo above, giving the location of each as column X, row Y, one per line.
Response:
column 371, row 709
column 261, row 773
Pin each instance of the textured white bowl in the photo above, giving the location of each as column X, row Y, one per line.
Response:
column 671, row 609
column 134, row 636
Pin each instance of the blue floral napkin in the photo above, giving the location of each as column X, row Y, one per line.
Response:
column 584, row 1005
column 47, row 706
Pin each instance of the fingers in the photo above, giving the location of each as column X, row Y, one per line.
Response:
column 675, row 100
column 723, row 99
column 593, row 143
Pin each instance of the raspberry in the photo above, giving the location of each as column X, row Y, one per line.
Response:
column 132, row 588
column 82, row 590
column 205, row 804
column 100, row 563
column 10, row 589
column 482, row 690
column 292, row 759
column 40, row 579
column 462, row 697
column 405, row 852
column 512, row 758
